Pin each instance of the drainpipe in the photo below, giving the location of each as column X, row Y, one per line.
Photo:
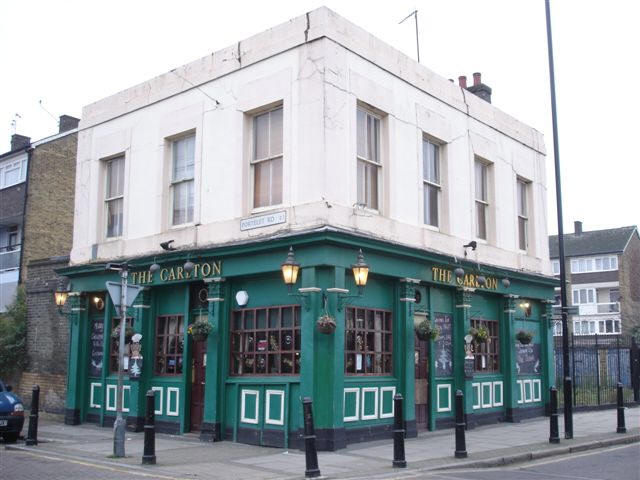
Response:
column 29, row 151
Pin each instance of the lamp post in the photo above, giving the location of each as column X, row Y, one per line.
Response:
column 568, row 406
column 119, row 424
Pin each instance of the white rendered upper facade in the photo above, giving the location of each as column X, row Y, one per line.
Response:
column 314, row 123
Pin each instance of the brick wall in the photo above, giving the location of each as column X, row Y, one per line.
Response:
column 52, row 391
column 629, row 266
column 12, row 202
column 48, row 235
column 47, row 337
column 48, row 226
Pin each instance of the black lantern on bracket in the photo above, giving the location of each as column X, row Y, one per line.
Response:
column 360, row 272
column 290, row 269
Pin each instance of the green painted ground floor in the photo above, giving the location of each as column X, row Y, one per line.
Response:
column 266, row 351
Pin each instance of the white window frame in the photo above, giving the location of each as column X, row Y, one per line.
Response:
column 12, row 164
column 555, row 267
column 522, row 192
column 175, row 182
column 110, row 200
column 483, row 200
column 587, row 291
column 269, row 158
column 432, row 183
column 590, row 264
column 376, row 162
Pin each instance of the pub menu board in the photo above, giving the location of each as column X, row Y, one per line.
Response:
column 443, row 345
column 95, row 354
column 528, row 358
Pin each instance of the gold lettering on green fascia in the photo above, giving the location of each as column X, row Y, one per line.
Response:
column 443, row 275
column 175, row 273
column 164, row 274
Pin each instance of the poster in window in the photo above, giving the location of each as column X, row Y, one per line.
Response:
column 443, row 345
column 96, row 346
column 528, row 359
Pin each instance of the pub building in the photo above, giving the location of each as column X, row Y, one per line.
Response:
column 244, row 381
column 398, row 248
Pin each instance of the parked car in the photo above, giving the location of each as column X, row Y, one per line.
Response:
column 11, row 413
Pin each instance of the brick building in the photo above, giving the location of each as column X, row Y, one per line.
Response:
column 40, row 210
column 13, row 181
column 603, row 279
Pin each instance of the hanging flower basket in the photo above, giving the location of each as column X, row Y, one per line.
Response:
column 524, row 337
column 326, row 324
column 480, row 334
column 425, row 331
column 199, row 330
column 128, row 333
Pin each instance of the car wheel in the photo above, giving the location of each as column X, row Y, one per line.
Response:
column 10, row 437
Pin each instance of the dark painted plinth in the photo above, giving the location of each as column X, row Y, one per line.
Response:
column 210, row 432
column 72, row 416
column 135, row 424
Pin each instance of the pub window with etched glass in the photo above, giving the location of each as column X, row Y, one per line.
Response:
column 169, row 344
column 486, row 354
column 114, row 344
column 431, row 182
column 368, row 342
column 266, row 158
column 368, row 158
column 182, row 183
column 114, row 196
column 265, row 341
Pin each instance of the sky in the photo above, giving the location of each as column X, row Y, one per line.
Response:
column 58, row 56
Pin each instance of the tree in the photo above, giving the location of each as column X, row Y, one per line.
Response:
column 13, row 333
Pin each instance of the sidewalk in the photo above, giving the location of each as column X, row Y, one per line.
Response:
column 186, row 457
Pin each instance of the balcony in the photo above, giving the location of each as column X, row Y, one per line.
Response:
column 599, row 308
column 9, row 258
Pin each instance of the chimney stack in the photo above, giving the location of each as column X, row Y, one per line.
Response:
column 67, row 122
column 462, row 81
column 19, row 141
column 480, row 89
column 577, row 227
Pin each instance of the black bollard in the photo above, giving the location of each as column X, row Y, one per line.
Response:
column 621, row 426
column 461, row 444
column 398, row 433
column 310, row 452
column 149, row 454
column 569, row 397
column 554, row 435
column 32, row 435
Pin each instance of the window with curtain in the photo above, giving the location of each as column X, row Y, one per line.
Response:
column 114, row 196
column 431, row 182
column 368, row 342
column 368, row 158
column 169, row 344
column 482, row 201
column 182, row 183
column 523, row 218
column 266, row 158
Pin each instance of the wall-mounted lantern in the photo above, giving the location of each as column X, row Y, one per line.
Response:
column 290, row 269
column 61, row 294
